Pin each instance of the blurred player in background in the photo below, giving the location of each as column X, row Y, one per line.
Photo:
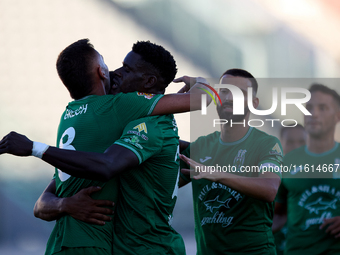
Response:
column 233, row 211
column 292, row 137
column 309, row 195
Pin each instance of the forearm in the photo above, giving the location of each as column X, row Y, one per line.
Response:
column 264, row 189
column 80, row 164
column 49, row 207
column 91, row 165
column 183, row 102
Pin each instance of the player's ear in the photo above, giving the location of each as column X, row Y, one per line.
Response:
column 151, row 81
column 101, row 73
column 256, row 102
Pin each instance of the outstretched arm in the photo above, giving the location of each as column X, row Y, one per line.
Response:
column 264, row 188
column 187, row 99
column 80, row 206
column 89, row 165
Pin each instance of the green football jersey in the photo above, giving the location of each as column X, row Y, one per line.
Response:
column 93, row 124
column 227, row 221
column 148, row 192
column 311, row 200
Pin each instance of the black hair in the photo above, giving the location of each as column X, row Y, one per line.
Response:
column 160, row 60
column 245, row 74
column 324, row 89
column 288, row 127
column 74, row 68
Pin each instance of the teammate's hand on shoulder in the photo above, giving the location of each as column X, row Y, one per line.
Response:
column 82, row 207
column 16, row 144
column 334, row 226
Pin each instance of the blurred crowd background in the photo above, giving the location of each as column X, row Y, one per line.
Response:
column 270, row 38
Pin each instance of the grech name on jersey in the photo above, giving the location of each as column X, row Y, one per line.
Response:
column 72, row 113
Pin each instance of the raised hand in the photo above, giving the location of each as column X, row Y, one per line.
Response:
column 16, row 144
column 186, row 80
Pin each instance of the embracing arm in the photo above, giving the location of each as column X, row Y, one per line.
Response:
column 184, row 102
column 49, row 206
column 80, row 206
column 89, row 165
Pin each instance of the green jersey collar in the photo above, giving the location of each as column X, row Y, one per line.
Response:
column 321, row 154
column 238, row 141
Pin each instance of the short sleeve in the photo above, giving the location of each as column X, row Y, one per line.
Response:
column 136, row 104
column 271, row 156
column 143, row 137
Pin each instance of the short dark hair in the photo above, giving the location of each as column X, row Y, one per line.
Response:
column 288, row 127
column 160, row 60
column 74, row 68
column 324, row 89
column 245, row 74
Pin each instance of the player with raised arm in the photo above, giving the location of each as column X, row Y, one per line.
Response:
column 308, row 198
column 233, row 211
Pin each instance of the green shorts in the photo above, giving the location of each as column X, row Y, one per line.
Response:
column 84, row 250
